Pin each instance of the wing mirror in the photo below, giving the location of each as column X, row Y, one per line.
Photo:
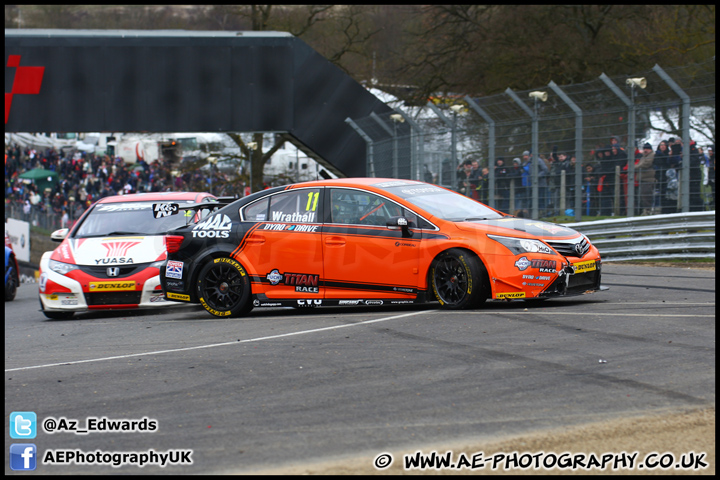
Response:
column 59, row 235
column 400, row 222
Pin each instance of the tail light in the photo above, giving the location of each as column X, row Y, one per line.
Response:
column 173, row 242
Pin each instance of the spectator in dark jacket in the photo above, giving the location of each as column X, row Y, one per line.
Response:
column 696, row 203
column 502, row 185
column 646, row 176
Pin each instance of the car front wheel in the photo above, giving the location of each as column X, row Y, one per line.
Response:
column 458, row 279
column 223, row 287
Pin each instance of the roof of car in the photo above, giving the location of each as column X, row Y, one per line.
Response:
column 156, row 197
column 357, row 181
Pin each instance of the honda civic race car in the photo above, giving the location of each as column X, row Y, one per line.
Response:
column 370, row 241
column 111, row 257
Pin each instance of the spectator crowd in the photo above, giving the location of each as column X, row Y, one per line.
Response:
column 604, row 174
column 84, row 178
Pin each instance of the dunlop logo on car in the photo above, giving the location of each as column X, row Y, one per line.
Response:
column 511, row 295
column 585, row 266
column 111, row 286
column 178, row 296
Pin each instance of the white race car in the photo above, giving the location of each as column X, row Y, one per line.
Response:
column 111, row 257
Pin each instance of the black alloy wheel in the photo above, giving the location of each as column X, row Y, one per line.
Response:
column 223, row 288
column 459, row 280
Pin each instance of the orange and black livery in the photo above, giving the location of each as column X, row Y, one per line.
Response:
column 371, row 241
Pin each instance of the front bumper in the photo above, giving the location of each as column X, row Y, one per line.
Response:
column 571, row 282
column 60, row 293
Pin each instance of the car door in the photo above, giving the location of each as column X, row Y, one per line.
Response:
column 364, row 259
column 283, row 251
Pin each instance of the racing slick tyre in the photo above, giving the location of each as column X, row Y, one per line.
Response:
column 459, row 280
column 223, row 288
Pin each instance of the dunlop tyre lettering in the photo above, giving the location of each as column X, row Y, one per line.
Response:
column 223, row 288
column 459, row 280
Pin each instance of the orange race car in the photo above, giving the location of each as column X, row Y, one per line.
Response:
column 369, row 241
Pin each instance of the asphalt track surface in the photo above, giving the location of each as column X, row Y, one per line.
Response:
column 289, row 386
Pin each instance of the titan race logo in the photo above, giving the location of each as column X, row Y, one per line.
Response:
column 27, row 81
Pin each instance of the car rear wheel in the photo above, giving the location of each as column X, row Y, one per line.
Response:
column 223, row 288
column 459, row 279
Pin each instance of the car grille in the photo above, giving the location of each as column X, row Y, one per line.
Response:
column 566, row 248
column 100, row 271
column 582, row 281
column 578, row 284
column 113, row 298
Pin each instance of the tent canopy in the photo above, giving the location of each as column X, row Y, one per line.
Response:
column 42, row 178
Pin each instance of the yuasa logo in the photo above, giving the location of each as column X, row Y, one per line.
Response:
column 23, row 456
column 214, row 227
column 27, row 81
column 118, row 249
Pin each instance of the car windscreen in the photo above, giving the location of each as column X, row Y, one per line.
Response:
column 443, row 203
column 131, row 218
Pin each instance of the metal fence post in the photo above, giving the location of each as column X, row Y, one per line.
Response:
column 453, row 152
column 685, row 183
column 491, row 146
column 534, row 157
column 393, row 134
column 369, row 157
column 631, row 141
column 578, row 147
column 421, row 143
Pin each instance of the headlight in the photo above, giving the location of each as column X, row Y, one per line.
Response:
column 522, row 245
column 61, row 268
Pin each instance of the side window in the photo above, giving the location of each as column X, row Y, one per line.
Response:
column 256, row 212
column 296, row 206
column 361, row 208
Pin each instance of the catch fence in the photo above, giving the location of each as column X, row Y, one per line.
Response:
column 571, row 128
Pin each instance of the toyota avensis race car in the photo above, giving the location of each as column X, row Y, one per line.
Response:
column 370, row 241
column 111, row 257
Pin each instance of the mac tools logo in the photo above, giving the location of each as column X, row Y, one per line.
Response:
column 27, row 81
column 214, row 227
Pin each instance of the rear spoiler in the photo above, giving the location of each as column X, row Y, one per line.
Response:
column 166, row 209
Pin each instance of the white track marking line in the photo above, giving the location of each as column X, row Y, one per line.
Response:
column 236, row 342
column 586, row 314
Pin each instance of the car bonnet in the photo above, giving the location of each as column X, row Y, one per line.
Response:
column 535, row 228
column 111, row 251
